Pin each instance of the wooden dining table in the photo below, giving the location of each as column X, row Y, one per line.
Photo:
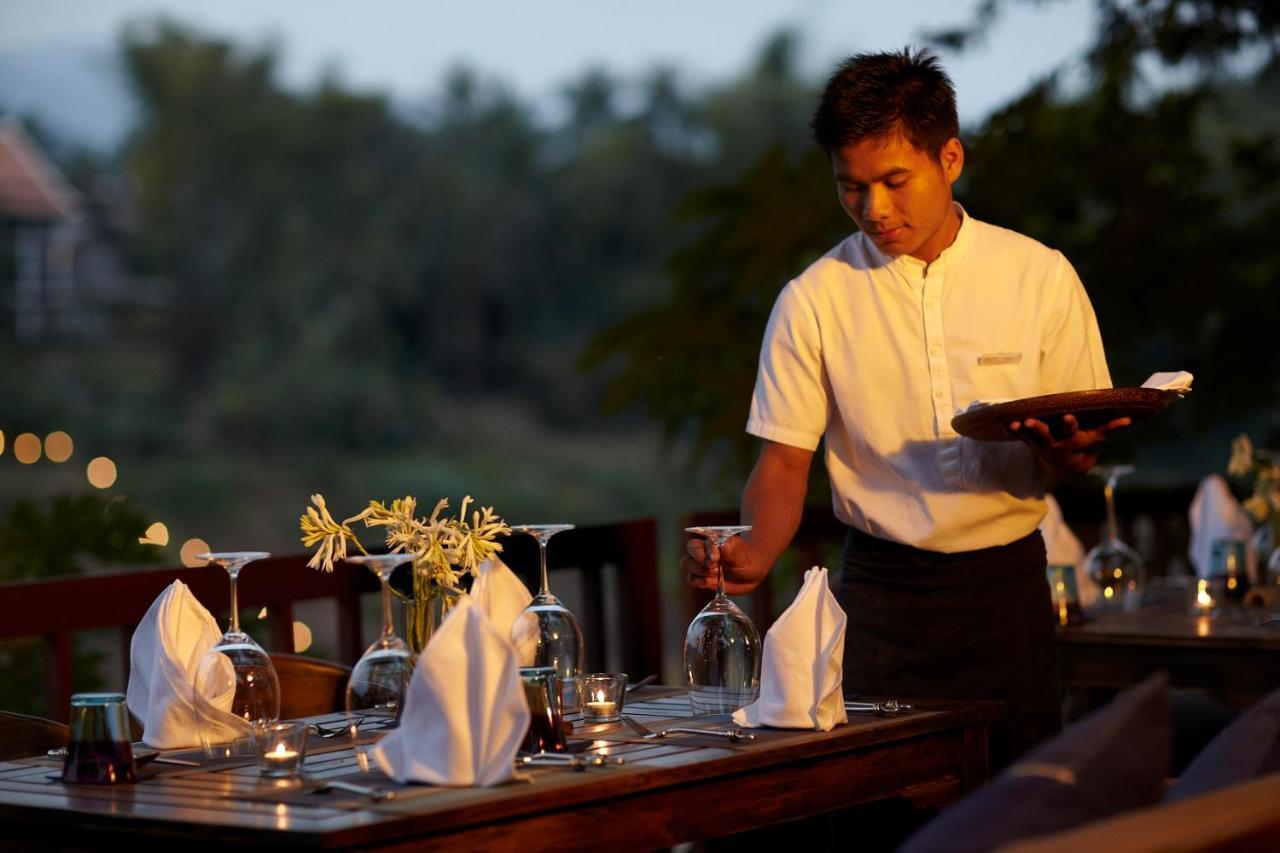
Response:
column 1232, row 654
column 671, row 789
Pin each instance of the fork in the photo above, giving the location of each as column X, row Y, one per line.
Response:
column 734, row 734
column 318, row 785
column 880, row 709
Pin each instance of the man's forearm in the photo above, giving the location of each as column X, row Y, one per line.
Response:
column 773, row 502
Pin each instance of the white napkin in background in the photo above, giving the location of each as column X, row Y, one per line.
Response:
column 1175, row 380
column 465, row 716
column 1216, row 514
column 1064, row 549
column 800, row 677
column 503, row 598
column 164, row 654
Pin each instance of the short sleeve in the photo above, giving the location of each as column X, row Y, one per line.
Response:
column 1071, row 355
column 791, row 403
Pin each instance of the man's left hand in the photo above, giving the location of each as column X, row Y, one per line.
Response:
column 1076, row 451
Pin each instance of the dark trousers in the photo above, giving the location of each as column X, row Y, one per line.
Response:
column 971, row 625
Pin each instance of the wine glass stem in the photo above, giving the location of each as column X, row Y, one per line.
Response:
column 720, row 574
column 1112, row 528
column 234, row 574
column 388, row 629
column 542, row 553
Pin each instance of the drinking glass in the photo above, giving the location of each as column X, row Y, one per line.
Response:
column 722, row 648
column 559, row 637
column 99, row 750
column 379, row 682
column 546, row 730
column 1112, row 564
column 236, row 685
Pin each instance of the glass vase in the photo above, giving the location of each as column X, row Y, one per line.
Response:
column 423, row 613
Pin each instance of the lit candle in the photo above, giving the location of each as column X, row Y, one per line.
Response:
column 281, row 755
column 601, row 707
column 1204, row 602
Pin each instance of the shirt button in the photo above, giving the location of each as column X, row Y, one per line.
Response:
column 937, row 395
column 934, row 350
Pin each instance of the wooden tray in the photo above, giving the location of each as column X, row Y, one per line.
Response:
column 1091, row 408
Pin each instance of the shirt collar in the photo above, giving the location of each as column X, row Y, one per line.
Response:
column 948, row 256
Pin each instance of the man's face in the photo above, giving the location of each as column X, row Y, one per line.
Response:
column 899, row 195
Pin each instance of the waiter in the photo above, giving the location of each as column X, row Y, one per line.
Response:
column 871, row 351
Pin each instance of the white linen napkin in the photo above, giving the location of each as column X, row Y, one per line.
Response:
column 164, row 654
column 503, row 598
column 465, row 716
column 1216, row 514
column 801, row 674
column 1063, row 549
column 1174, row 380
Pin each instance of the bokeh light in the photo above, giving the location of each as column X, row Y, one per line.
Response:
column 26, row 448
column 157, row 534
column 190, row 549
column 301, row 636
column 1, row 441
column 58, row 446
column 262, row 614
column 102, row 473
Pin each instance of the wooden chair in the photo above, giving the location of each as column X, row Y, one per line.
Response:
column 621, row 611
column 310, row 686
column 21, row 735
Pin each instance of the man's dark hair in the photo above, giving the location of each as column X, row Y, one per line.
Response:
column 876, row 94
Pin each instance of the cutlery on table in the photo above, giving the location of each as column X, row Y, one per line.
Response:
column 648, row 679
column 734, row 733
column 319, row 785
column 880, row 709
column 574, row 762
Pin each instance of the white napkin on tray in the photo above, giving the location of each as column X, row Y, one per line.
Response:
column 1173, row 380
column 465, row 716
column 503, row 597
column 164, row 654
column 801, row 674
column 1216, row 514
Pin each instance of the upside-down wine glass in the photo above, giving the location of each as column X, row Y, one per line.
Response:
column 379, row 681
column 1114, row 566
column 722, row 647
column 559, row 636
column 236, row 686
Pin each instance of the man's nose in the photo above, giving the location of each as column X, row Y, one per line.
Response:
column 875, row 204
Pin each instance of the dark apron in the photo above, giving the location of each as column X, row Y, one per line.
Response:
column 971, row 625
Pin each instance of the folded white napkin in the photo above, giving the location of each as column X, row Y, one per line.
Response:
column 1216, row 514
column 1063, row 549
column 503, row 598
column 465, row 716
column 800, row 678
column 1175, row 380
column 164, row 654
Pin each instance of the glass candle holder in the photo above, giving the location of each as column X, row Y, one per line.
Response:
column 1227, row 569
column 281, row 748
column 99, row 751
column 603, row 695
column 1065, row 595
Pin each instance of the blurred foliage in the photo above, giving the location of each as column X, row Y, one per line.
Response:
column 74, row 533
column 1163, row 200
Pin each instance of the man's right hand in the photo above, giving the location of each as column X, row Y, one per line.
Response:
column 772, row 504
column 742, row 564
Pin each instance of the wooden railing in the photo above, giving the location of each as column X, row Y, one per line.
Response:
column 53, row 610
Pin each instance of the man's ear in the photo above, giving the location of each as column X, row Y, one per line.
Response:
column 952, row 159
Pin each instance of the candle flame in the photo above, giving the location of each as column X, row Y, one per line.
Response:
column 1203, row 598
column 599, row 695
column 281, row 749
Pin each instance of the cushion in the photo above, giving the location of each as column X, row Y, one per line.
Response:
column 1244, row 750
column 1109, row 762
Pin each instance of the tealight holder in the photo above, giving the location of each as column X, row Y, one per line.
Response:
column 603, row 695
column 280, row 747
column 1065, row 595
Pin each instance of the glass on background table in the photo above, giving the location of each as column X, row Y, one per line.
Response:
column 1114, row 566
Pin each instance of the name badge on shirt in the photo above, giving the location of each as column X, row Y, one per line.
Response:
column 999, row 358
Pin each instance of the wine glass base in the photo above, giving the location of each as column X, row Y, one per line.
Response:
column 720, row 700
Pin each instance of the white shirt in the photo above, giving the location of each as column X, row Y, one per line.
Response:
column 879, row 352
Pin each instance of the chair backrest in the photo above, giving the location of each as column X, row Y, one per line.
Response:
column 22, row 735
column 616, row 567
column 310, row 686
